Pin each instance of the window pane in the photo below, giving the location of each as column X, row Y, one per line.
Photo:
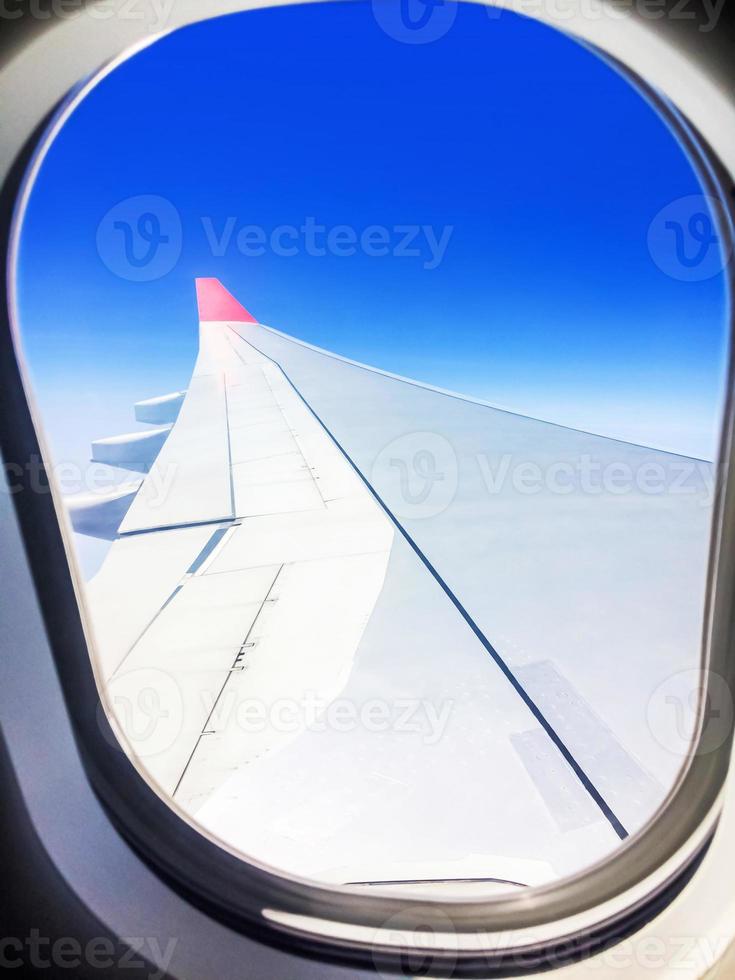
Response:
column 396, row 553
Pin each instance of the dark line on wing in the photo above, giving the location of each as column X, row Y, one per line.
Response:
column 177, row 527
column 229, row 447
column 226, row 682
column 279, row 408
column 294, row 436
column 609, row 814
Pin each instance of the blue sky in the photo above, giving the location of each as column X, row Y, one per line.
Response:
column 544, row 164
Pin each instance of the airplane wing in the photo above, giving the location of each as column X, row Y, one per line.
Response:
column 346, row 630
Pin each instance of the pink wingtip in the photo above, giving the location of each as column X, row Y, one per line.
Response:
column 216, row 304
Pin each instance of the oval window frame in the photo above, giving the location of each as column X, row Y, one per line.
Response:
column 584, row 910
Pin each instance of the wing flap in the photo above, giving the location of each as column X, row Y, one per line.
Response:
column 138, row 577
column 190, row 481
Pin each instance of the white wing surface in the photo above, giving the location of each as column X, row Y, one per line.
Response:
column 395, row 634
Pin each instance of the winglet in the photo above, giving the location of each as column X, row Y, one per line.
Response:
column 216, row 304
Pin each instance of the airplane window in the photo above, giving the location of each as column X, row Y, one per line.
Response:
column 381, row 363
